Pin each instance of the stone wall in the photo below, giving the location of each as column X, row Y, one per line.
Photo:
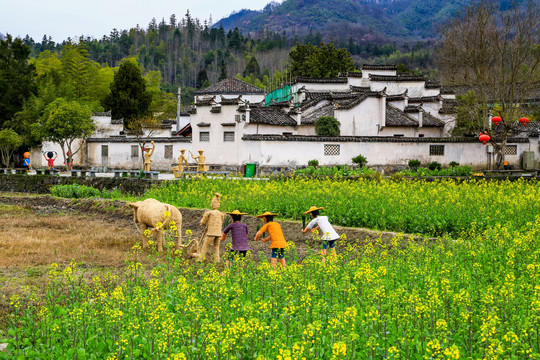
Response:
column 40, row 184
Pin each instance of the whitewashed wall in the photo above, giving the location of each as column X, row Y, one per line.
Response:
column 278, row 153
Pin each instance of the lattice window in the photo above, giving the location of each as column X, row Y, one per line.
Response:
column 228, row 136
column 510, row 150
column 168, row 152
column 436, row 150
column 104, row 150
column 134, row 151
column 204, row 136
column 331, row 150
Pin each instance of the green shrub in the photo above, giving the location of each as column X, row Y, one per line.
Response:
column 327, row 126
column 81, row 191
column 313, row 163
column 434, row 165
column 453, row 164
column 360, row 160
column 414, row 164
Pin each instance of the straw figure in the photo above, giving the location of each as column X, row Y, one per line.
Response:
column 179, row 168
column 213, row 220
column 201, row 161
column 150, row 213
column 147, row 155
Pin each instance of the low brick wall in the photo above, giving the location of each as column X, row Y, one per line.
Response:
column 40, row 184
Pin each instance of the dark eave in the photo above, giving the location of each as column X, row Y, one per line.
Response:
column 379, row 67
column 392, row 139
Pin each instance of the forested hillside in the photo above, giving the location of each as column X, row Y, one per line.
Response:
column 193, row 54
column 360, row 20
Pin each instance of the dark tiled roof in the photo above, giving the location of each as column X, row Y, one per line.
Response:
column 123, row 139
column 206, row 101
column 233, row 101
column 396, row 117
column 359, row 88
column 378, row 67
column 202, row 124
column 325, row 80
column 350, row 103
column 396, row 97
column 311, row 117
column 351, row 74
column 230, row 85
column 424, row 99
column 412, row 108
column 270, row 116
column 228, row 124
column 107, row 113
column 117, row 121
column 393, row 139
column 396, row 78
column 429, row 120
column 432, row 85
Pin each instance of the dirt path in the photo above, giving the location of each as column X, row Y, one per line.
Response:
column 109, row 224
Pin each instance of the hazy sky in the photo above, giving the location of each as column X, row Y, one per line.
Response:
column 71, row 18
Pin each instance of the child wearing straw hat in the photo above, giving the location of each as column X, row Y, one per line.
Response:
column 329, row 235
column 276, row 235
column 239, row 232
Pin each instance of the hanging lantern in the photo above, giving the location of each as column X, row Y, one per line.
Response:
column 143, row 149
column 496, row 120
column 524, row 121
column 484, row 138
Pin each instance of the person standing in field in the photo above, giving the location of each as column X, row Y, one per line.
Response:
column 276, row 235
column 239, row 232
column 328, row 234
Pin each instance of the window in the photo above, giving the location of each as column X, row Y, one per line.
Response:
column 420, row 135
column 134, row 151
column 104, row 150
column 168, row 152
column 331, row 150
column 204, row 136
column 228, row 136
column 399, row 135
column 436, row 150
column 510, row 150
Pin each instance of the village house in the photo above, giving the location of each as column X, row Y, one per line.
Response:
column 387, row 117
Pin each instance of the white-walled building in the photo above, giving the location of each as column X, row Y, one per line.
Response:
column 387, row 117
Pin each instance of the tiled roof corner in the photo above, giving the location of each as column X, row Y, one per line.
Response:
column 231, row 85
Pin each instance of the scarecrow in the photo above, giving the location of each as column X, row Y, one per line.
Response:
column 213, row 220
column 147, row 155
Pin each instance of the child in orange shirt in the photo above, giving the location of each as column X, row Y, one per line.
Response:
column 276, row 235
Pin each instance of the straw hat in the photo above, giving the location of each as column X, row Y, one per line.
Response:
column 266, row 213
column 236, row 212
column 313, row 208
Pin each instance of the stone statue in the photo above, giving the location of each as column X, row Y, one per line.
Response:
column 147, row 155
column 201, row 161
column 213, row 220
column 178, row 169
column 148, row 213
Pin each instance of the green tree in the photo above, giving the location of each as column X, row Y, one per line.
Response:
column 65, row 122
column 17, row 80
column 319, row 62
column 327, row 126
column 9, row 142
column 252, row 68
column 129, row 99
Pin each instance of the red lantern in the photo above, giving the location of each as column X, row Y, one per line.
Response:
column 496, row 120
column 143, row 149
column 523, row 121
column 484, row 138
